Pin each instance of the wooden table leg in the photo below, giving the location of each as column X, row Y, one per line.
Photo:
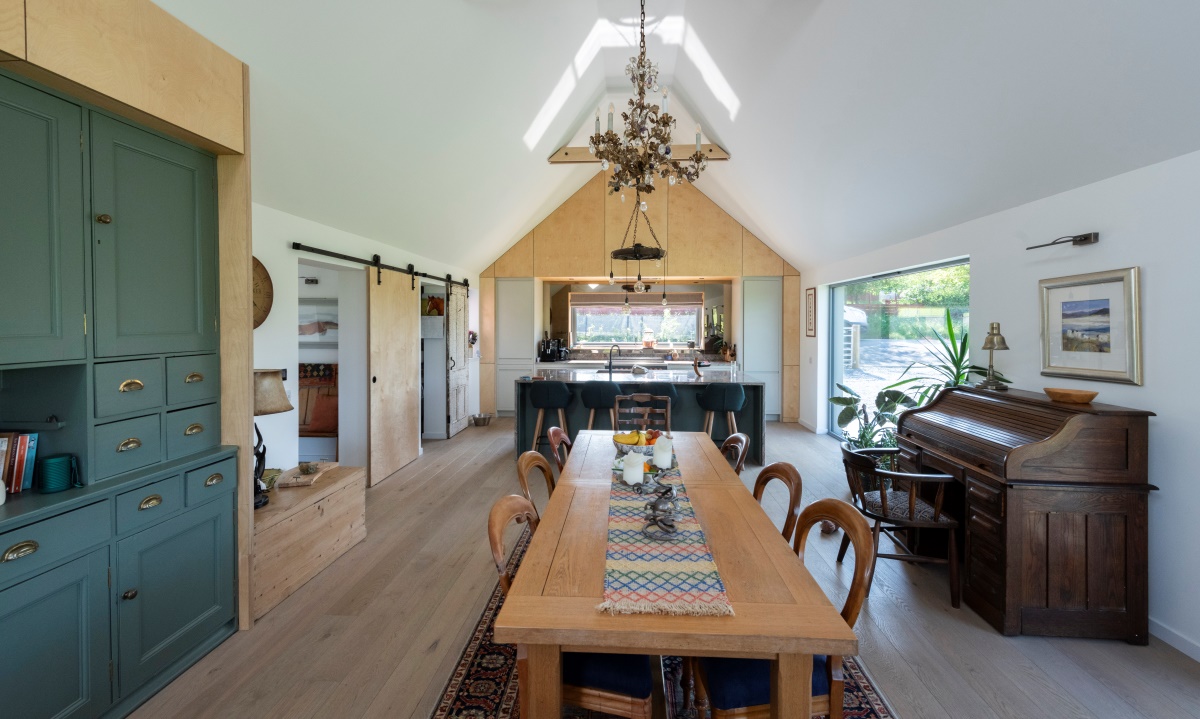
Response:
column 791, row 686
column 539, row 678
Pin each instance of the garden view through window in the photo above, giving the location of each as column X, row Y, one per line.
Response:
column 604, row 320
column 892, row 333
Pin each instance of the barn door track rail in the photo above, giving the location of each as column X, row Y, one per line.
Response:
column 377, row 263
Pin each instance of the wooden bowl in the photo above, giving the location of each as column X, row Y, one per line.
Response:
column 1072, row 396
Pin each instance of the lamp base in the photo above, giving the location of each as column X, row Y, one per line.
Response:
column 261, row 500
column 993, row 384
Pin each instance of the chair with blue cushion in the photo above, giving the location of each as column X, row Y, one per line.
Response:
column 600, row 395
column 619, row 684
column 544, row 395
column 741, row 688
column 727, row 397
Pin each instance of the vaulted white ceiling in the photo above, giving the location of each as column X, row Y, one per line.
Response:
column 852, row 124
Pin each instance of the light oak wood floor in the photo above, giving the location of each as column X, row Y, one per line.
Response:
column 378, row 632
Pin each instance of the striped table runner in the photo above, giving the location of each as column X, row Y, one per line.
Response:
column 644, row 576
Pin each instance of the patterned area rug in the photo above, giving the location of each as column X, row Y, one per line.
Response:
column 484, row 682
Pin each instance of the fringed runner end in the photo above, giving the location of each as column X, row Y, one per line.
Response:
column 681, row 610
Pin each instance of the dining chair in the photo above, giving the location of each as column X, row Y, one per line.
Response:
column 741, row 688
column 558, row 438
column 619, row 684
column 893, row 500
column 526, row 463
column 643, row 411
column 790, row 476
column 736, row 447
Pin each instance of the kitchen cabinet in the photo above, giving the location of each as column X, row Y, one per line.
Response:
column 761, row 353
column 54, row 656
column 154, row 243
column 41, row 227
column 516, row 337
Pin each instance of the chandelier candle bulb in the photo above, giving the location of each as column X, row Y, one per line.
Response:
column 611, row 109
column 597, row 121
column 697, row 137
column 664, row 106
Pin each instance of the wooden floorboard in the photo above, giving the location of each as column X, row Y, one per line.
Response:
column 378, row 632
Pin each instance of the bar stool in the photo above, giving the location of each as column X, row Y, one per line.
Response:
column 727, row 397
column 544, row 395
column 600, row 395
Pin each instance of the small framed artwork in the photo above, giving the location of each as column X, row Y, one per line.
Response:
column 318, row 322
column 1091, row 326
column 810, row 312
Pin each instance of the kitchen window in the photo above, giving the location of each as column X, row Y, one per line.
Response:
column 599, row 319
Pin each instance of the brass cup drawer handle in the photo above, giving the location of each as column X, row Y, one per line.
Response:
column 193, row 378
column 214, row 479
column 132, row 385
column 196, row 428
column 130, row 444
column 18, row 550
column 150, row 502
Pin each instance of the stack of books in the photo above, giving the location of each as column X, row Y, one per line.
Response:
column 17, row 455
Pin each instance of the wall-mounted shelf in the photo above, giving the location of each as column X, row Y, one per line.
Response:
column 31, row 426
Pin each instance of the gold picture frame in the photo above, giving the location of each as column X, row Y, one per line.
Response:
column 1091, row 326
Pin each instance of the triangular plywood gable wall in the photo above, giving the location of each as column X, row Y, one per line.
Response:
column 576, row 239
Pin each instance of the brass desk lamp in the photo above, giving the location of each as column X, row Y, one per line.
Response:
column 993, row 342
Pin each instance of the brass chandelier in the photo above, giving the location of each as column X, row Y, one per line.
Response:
column 641, row 152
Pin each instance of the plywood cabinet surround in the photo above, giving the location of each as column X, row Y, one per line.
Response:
column 705, row 241
column 570, row 242
column 758, row 260
column 518, row 261
column 12, row 30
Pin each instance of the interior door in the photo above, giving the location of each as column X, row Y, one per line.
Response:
column 458, row 359
column 394, row 337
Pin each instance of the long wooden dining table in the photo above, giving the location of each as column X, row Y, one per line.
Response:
column 780, row 613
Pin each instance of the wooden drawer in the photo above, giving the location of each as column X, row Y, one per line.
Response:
column 193, row 379
column 210, row 481
column 128, row 444
column 981, row 526
column 149, row 504
column 123, row 387
column 43, row 543
column 984, row 496
column 943, row 465
column 193, row 430
column 985, row 581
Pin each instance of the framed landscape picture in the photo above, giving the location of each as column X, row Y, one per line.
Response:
column 1091, row 326
column 319, row 322
column 810, row 312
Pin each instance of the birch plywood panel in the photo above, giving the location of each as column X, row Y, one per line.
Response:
column 617, row 214
column 12, row 29
column 570, row 242
column 705, row 241
column 791, row 394
column 518, row 261
column 793, row 315
column 789, row 271
column 487, row 320
column 393, row 326
column 758, row 260
column 137, row 54
column 490, row 271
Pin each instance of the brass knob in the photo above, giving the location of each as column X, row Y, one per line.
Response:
column 193, row 377
column 214, row 479
column 104, row 219
column 18, row 550
column 196, row 428
column 129, row 594
column 129, row 444
column 150, row 502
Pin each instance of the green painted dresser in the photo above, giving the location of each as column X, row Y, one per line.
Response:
column 108, row 351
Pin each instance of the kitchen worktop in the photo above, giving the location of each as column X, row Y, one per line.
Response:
column 681, row 375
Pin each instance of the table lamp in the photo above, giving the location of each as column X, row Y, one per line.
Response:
column 993, row 342
column 270, row 397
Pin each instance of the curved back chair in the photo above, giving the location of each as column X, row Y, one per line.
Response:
column 643, row 411
column 548, row 394
column 727, row 397
column 526, row 464
column 619, row 684
column 600, row 395
column 508, row 509
column 790, row 476
column 741, row 688
column 736, row 447
column 894, row 500
column 558, row 438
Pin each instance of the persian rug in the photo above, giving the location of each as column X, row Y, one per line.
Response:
column 483, row 684
column 318, row 374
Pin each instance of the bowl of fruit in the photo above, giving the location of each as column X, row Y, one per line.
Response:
column 640, row 441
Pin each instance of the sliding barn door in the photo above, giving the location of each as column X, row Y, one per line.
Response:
column 394, row 336
column 458, row 358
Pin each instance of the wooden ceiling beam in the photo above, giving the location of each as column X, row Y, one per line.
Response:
column 573, row 155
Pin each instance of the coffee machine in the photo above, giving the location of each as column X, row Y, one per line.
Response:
column 552, row 351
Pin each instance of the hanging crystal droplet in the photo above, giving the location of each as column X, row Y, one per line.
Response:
column 639, row 287
column 658, row 263
column 604, row 164
column 671, row 180
column 664, row 304
column 643, row 206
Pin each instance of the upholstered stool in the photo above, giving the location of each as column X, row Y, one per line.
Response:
column 600, row 395
column 544, row 395
column 662, row 389
column 727, row 397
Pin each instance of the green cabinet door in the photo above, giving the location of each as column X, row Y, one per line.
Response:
column 54, row 642
column 174, row 588
column 154, row 243
column 41, row 227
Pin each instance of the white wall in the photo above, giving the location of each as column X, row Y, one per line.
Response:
column 275, row 341
column 1148, row 218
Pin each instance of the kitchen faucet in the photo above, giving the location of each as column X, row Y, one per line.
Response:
column 610, row 349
